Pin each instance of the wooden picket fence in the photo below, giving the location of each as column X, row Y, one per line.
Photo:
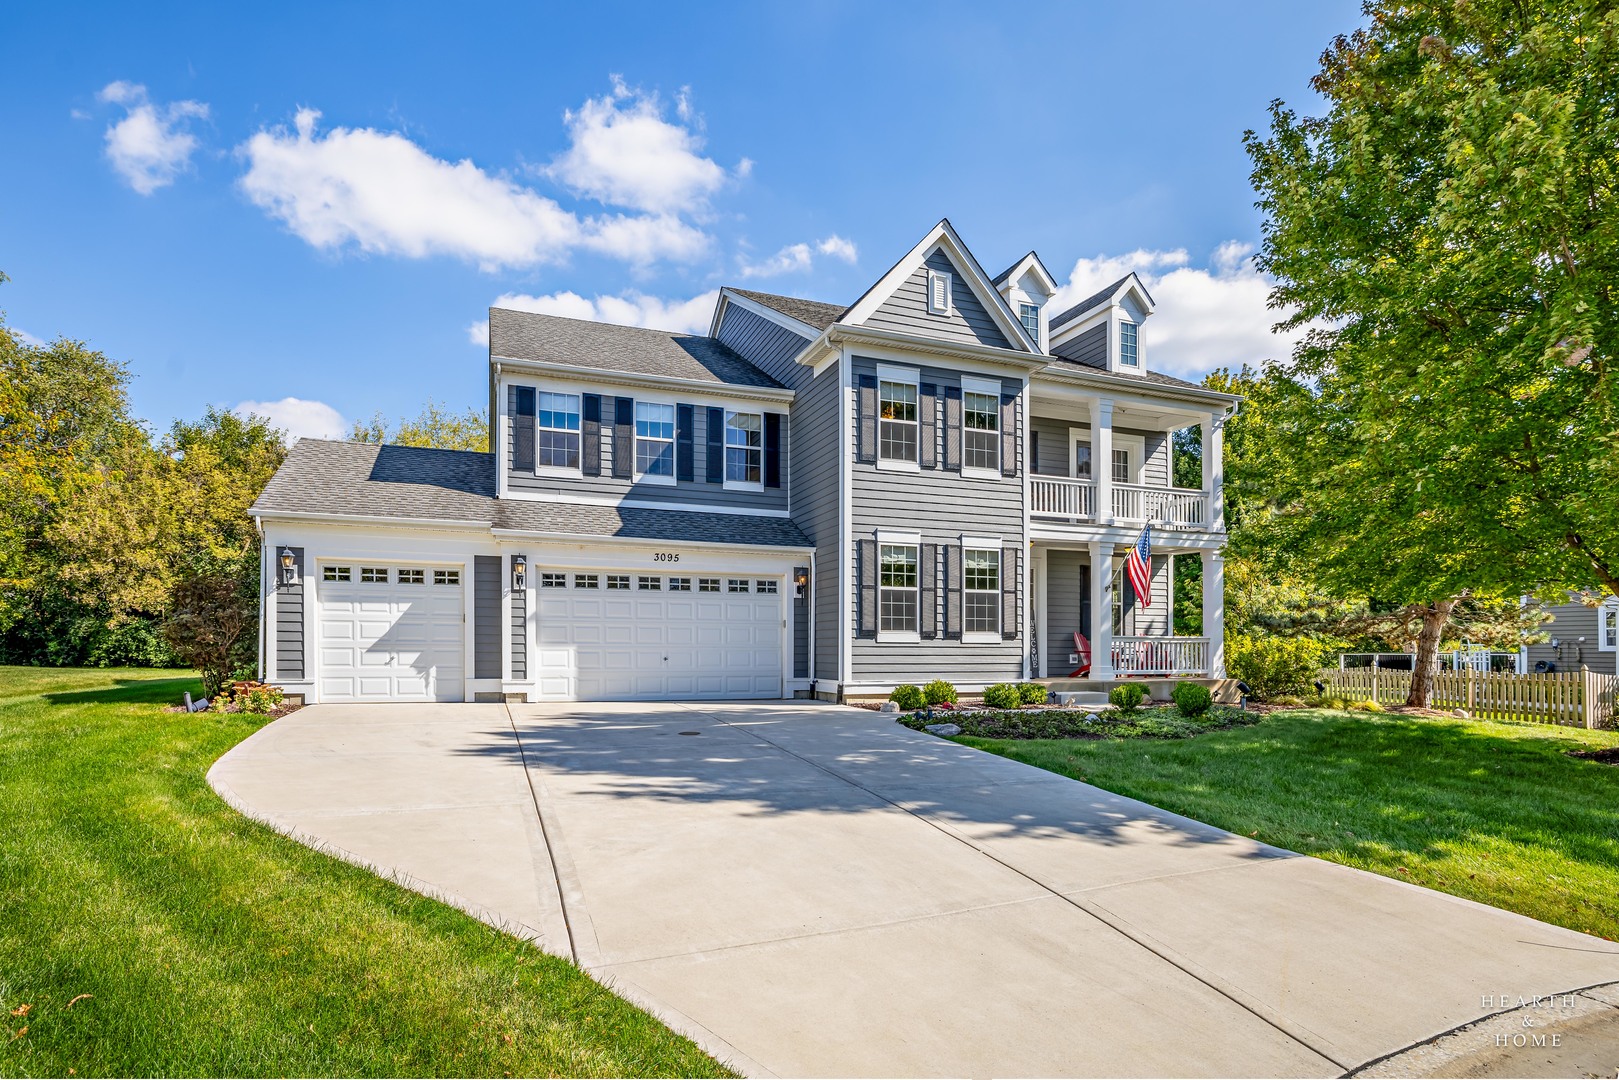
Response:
column 1575, row 698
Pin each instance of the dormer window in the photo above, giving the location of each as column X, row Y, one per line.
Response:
column 1029, row 316
column 938, row 292
column 1127, row 346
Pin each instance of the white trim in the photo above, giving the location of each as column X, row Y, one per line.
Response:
column 941, row 282
column 593, row 376
column 846, row 579
column 639, row 541
column 904, row 376
column 1137, row 447
column 636, row 475
column 725, row 454
column 1604, row 610
column 891, row 536
column 971, row 384
column 982, row 543
column 1077, row 435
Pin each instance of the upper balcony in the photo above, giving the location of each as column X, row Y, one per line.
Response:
column 1073, row 499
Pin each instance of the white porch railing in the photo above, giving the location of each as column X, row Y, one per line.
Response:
column 1160, row 656
column 1060, row 496
column 1177, row 508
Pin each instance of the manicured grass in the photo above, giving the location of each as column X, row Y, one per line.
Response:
column 208, row 945
column 1497, row 813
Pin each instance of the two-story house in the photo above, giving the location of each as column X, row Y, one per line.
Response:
column 937, row 481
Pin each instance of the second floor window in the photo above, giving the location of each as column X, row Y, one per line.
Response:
column 896, row 410
column 981, row 431
column 897, row 589
column 1029, row 316
column 559, row 431
column 1127, row 345
column 1082, row 459
column 654, row 439
column 744, row 448
column 1121, row 466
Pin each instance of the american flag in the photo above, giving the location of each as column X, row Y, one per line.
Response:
column 1138, row 565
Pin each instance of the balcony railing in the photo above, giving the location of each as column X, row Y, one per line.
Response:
column 1160, row 656
column 1075, row 500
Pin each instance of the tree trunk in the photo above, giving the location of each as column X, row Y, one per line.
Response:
column 1434, row 618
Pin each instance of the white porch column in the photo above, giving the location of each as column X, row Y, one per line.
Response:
column 1102, row 458
column 1214, row 611
column 1101, row 611
column 1214, row 468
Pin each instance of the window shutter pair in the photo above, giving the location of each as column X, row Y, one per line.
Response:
column 523, row 429
column 715, row 448
column 590, row 436
column 772, row 450
column 685, row 442
column 866, row 574
column 623, row 438
column 866, row 427
column 1010, row 580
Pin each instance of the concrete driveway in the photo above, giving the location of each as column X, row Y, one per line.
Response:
column 812, row 890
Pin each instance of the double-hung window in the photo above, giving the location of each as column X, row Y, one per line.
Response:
column 559, row 431
column 654, row 439
column 1029, row 316
column 1128, row 357
column 981, row 585
column 897, row 588
column 896, row 423
column 1608, row 627
column 980, row 424
column 1121, row 465
column 744, row 448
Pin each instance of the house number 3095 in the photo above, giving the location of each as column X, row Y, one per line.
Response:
column 666, row 556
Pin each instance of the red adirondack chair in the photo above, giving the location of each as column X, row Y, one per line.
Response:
column 1083, row 648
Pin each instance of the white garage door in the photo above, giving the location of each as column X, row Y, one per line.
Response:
column 626, row 636
column 389, row 633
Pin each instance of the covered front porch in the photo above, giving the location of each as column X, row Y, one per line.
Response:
column 1135, row 636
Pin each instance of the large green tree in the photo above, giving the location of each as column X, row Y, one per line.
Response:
column 1448, row 228
column 434, row 426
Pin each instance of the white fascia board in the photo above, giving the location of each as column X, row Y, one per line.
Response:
column 1029, row 262
column 856, row 336
column 770, row 314
column 652, row 382
column 1126, row 389
column 643, row 542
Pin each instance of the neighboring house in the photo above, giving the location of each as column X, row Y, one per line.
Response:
column 1579, row 634
column 939, row 480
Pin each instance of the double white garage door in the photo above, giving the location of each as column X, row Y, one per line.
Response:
column 398, row 633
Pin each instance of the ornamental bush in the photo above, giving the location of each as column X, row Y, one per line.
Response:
column 1191, row 699
column 939, row 692
column 1033, row 693
column 908, row 697
column 1274, row 666
column 1003, row 695
column 1127, row 697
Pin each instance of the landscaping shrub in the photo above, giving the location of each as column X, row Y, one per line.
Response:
column 1160, row 723
column 1191, row 699
column 1127, row 697
column 1002, row 695
column 939, row 692
column 255, row 697
column 1274, row 666
column 908, row 697
column 1033, row 693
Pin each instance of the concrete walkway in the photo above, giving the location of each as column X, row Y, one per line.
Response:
column 816, row 891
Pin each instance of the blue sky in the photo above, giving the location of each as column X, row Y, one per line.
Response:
column 321, row 204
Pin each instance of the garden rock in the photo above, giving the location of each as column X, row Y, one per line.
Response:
column 1462, row 714
column 944, row 730
column 888, row 706
column 1092, row 718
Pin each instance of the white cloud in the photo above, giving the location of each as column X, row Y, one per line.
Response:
column 629, row 309
column 150, row 146
column 299, row 418
column 1205, row 317
column 799, row 257
column 624, row 153
column 26, row 338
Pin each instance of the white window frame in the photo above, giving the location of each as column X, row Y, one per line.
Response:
column 991, row 388
column 1135, row 345
column 674, row 421
column 743, row 485
column 914, row 542
column 578, row 433
column 1608, row 610
column 1033, row 309
column 941, row 282
column 983, row 543
column 1137, row 447
column 906, row 376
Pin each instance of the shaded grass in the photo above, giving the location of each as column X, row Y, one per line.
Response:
column 1495, row 812
column 209, row 945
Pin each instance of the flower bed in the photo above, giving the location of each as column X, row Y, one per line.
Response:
column 1059, row 723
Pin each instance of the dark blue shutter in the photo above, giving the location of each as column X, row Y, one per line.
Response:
column 772, row 450
column 590, row 459
column 866, row 422
column 1034, row 451
column 685, row 442
column 624, row 438
column 866, row 552
column 523, row 430
column 1009, row 434
column 716, row 446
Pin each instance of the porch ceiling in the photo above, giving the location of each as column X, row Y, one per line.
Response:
column 1074, row 406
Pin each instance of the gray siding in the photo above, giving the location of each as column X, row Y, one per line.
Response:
column 941, row 506
column 801, row 650
column 1570, row 622
column 519, row 631
column 907, row 310
column 486, row 617
column 1067, row 599
column 1088, row 348
column 288, row 658
column 768, row 346
column 1053, row 438
column 814, row 482
column 675, row 496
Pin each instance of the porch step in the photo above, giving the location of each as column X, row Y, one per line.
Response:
column 1080, row 697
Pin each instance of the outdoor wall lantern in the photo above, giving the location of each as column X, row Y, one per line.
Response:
column 800, row 582
column 289, row 567
column 519, row 573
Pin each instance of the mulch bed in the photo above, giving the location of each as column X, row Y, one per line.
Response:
column 1608, row 756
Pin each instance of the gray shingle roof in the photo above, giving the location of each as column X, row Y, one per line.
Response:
column 523, row 335
column 1058, row 363
column 366, row 479
column 347, row 479
column 1000, row 278
column 1088, row 303
column 809, row 312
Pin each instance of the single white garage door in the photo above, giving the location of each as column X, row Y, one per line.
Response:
column 389, row 633
column 626, row 636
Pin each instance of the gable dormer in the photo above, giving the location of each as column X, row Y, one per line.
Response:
column 1104, row 329
column 1027, row 286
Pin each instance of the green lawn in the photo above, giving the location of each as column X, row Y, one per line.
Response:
column 1497, row 813
column 208, row 945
